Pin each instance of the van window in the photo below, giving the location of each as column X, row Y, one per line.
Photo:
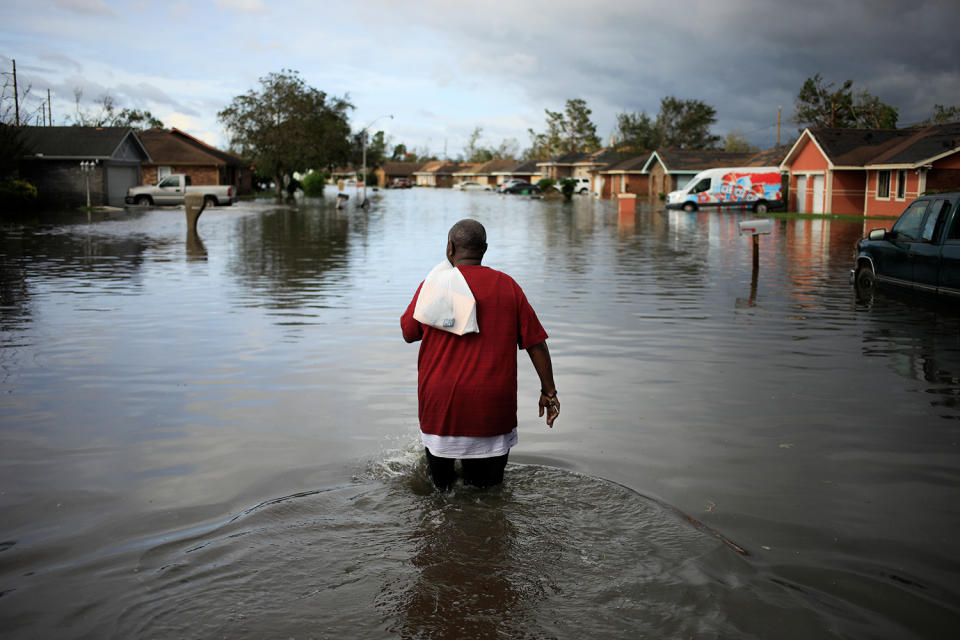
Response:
column 909, row 224
column 700, row 187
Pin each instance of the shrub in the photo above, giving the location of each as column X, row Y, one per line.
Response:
column 17, row 194
column 313, row 184
column 546, row 184
column 567, row 185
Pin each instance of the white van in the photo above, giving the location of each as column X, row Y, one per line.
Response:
column 757, row 188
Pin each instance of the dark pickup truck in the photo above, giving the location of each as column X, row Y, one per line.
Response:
column 920, row 253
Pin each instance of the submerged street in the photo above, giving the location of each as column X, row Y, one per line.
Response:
column 216, row 433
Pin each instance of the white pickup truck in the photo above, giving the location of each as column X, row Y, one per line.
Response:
column 172, row 188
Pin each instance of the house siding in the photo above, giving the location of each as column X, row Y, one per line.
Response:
column 202, row 175
column 61, row 182
column 847, row 192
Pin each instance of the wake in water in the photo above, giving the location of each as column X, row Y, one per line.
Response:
column 550, row 553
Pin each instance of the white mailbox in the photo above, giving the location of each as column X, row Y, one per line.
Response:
column 755, row 227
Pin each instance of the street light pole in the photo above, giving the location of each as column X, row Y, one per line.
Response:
column 363, row 146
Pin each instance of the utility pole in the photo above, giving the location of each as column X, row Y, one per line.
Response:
column 778, row 126
column 49, row 110
column 16, row 96
column 363, row 143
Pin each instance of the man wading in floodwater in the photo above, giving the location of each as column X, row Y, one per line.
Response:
column 467, row 384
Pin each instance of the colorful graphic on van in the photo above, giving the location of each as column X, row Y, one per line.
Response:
column 743, row 187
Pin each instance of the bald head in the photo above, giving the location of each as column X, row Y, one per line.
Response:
column 467, row 241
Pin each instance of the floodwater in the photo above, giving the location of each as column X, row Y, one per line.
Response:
column 215, row 435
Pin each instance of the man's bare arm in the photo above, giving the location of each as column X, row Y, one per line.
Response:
column 540, row 357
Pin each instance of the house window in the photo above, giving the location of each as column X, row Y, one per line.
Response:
column 883, row 184
column 901, row 184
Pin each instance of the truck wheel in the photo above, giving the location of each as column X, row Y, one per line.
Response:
column 760, row 207
column 209, row 201
column 866, row 280
column 689, row 207
column 583, row 191
column 143, row 201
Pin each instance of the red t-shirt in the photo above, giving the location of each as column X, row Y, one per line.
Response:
column 467, row 385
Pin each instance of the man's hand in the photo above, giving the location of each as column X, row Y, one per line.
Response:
column 551, row 405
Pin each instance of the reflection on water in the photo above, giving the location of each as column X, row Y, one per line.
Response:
column 199, row 433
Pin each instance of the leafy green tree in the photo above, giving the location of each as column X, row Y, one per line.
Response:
column 819, row 104
column 636, row 133
column 943, row 115
column 287, row 126
column 399, row 153
column 567, row 131
column 736, row 141
column 685, row 124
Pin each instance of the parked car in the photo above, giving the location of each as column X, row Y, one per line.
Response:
column 469, row 185
column 522, row 187
column 921, row 252
column 172, row 188
column 756, row 188
column 506, row 183
column 400, row 183
column 581, row 185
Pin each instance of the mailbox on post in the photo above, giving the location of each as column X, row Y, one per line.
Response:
column 755, row 228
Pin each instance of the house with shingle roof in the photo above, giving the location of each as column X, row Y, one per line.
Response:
column 486, row 173
column 626, row 176
column 561, row 166
column 176, row 151
column 393, row 170
column 53, row 157
column 526, row 171
column 870, row 171
column 438, row 173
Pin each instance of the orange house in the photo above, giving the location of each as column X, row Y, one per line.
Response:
column 872, row 172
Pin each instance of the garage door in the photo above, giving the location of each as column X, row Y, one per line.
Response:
column 119, row 179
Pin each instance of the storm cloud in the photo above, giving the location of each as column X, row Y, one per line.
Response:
column 444, row 68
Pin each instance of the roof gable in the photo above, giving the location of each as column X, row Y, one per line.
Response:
column 178, row 147
column 630, row 164
column 119, row 143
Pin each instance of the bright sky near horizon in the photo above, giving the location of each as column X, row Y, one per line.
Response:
column 442, row 68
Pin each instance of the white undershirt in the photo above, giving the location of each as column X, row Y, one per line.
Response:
column 469, row 446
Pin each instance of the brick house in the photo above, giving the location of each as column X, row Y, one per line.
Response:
column 873, row 172
column 53, row 158
column 562, row 166
column 176, row 151
column 486, row 173
column 526, row 171
column 391, row 171
column 591, row 166
column 927, row 160
column 438, row 173
column 626, row 176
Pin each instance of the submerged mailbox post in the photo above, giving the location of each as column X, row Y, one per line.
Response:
column 194, row 205
column 755, row 228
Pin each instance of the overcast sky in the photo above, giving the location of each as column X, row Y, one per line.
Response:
column 442, row 68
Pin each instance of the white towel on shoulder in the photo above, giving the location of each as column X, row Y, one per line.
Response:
column 446, row 302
